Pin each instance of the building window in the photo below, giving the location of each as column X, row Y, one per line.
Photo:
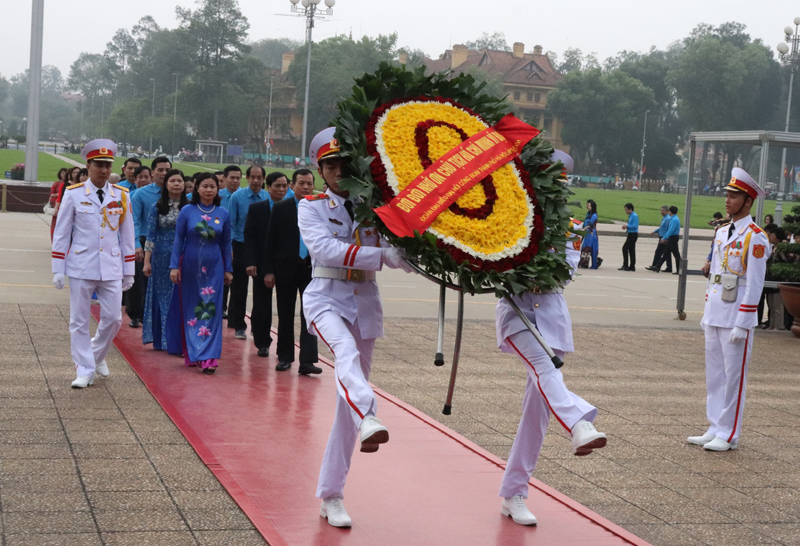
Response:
column 537, row 97
column 548, row 123
column 530, row 97
column 516, row 95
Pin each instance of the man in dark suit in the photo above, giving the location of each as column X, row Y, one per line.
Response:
column 255, row 244
column 288, row 268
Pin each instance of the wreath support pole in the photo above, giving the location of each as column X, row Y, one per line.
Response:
column 557, row 362
column 456, row 353
column 439, row 359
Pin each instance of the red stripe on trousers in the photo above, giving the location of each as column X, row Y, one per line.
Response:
column 741, row 386
column 346, row 394
column 347, row 256
column 539, row 386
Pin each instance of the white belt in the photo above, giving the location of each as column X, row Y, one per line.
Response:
column 717, row 279
column 342, row 274
column 537, row 290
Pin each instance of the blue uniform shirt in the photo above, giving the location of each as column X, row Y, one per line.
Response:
column 141, row 202
column 664, row 227
column 674, row 226
column 128, row 184
column 238, row 205
column 225, row 198
column 633, row 223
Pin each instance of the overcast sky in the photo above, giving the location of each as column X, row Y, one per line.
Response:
column 74, row 26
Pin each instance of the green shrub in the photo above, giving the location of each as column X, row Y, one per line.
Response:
column 783, row 272
column 788, row 248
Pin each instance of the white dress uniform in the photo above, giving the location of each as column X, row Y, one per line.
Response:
column 545, row 391
column 347, row 316
column 93, row 244
column 740, row 256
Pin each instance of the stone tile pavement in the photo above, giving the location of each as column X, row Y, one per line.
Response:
column 107, row 466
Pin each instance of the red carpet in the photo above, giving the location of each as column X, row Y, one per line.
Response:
column 263, row 433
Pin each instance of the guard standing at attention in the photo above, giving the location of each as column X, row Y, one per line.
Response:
column 343, row 308
column 545, row 392
column 93, row 244
column 735, row 281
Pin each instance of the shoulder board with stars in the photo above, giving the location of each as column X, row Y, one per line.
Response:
column 123, row 188
column 317, row 197
column 78, row 185
column 755, row 228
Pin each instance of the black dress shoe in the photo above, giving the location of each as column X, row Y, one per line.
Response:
column 134, row 323
column 225, row 315
column 306, row 369
column 209, row 371
column 283, row 366
column 623, row 268
column 632, row 268
column 263, row 351
column 666, row 271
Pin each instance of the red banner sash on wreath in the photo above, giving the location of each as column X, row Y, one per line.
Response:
column 453, row 174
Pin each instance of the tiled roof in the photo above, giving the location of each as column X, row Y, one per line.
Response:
column 531, row 69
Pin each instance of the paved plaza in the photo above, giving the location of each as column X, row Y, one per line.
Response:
column 107, row 466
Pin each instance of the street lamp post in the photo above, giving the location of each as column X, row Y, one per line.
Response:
column 789, row 56
column 309, row 11
column 152, row 115
column 34, row 94
column 175, row 114
column 644, row 145
column 269, row 118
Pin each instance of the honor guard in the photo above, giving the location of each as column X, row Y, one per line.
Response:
column 545, row 392
column 735, row 281
column 93, row 244
column 343, row 309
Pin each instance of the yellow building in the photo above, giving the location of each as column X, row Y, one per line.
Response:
column 526, row 77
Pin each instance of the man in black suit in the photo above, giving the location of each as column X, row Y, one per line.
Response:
column 288, row 268
column 255, row 244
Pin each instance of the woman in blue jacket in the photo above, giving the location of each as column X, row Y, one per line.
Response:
column 590, row 227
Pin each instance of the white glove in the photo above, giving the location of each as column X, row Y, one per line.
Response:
column 738, row 334
column 396, row 259
column 58, row 280
column 127, row 282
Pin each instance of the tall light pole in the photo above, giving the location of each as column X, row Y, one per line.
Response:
column 789, row 56
column 152, row 116
column 644, row 145
column 175, row 114
column 34, row 93
column 269, row 118
column 309, row 11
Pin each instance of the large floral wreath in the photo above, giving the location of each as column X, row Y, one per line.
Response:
column 496, row 235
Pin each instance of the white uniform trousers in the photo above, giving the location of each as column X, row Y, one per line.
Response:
column 545, row 393
column 726, row 381
column 355, row 398
column 87, row 350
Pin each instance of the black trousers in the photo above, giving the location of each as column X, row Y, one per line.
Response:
column 287, row 285
column 657, row 257
column 629, row 250
column 134, row 298
column 670, row 251
column 238, row 292
column 261, row 315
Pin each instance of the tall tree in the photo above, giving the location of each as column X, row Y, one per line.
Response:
column 121, row 50
column 271, row 50
column 495, row 42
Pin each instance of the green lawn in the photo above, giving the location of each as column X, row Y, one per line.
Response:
column 611, row 203
column 48, row 165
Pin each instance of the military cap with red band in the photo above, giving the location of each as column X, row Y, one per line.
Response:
column 743, row 182
column 324, row 146
column 99, row 149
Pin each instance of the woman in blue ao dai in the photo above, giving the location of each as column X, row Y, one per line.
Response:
column 590, row 241
column 160, row 233
column 200, row 267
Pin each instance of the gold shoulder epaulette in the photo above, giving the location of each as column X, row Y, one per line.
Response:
column 317, row 197
column 721, row 226
column 78, row 185
column 123, row 188
column 755, row 228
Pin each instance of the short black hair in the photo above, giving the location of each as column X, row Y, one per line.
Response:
column 140, row 169
column 132, row 160
column 788, row 218
column 673, row 209
column 219, row 173
column 272, row 177
column 301, row 172
column 769, row 228
column 199, row 179
column 718, row 215
column 160, row 159
column 251, row 167
column 780, row 233
column 629, row 206
column 230, row 169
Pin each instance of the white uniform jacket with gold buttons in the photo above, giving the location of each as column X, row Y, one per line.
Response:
column 747, row 251
column 91, row 240
column 332, row 237
column 548, row 312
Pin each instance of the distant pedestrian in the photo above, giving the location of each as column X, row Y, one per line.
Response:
column 673, row 237
column 590, row 242
column 661, row 232
column 629, row 248
column 128, row 179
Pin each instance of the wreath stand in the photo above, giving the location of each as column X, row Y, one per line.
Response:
column 439, row 358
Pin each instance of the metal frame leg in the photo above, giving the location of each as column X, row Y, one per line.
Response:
column 439, row 359
column 456, row 353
